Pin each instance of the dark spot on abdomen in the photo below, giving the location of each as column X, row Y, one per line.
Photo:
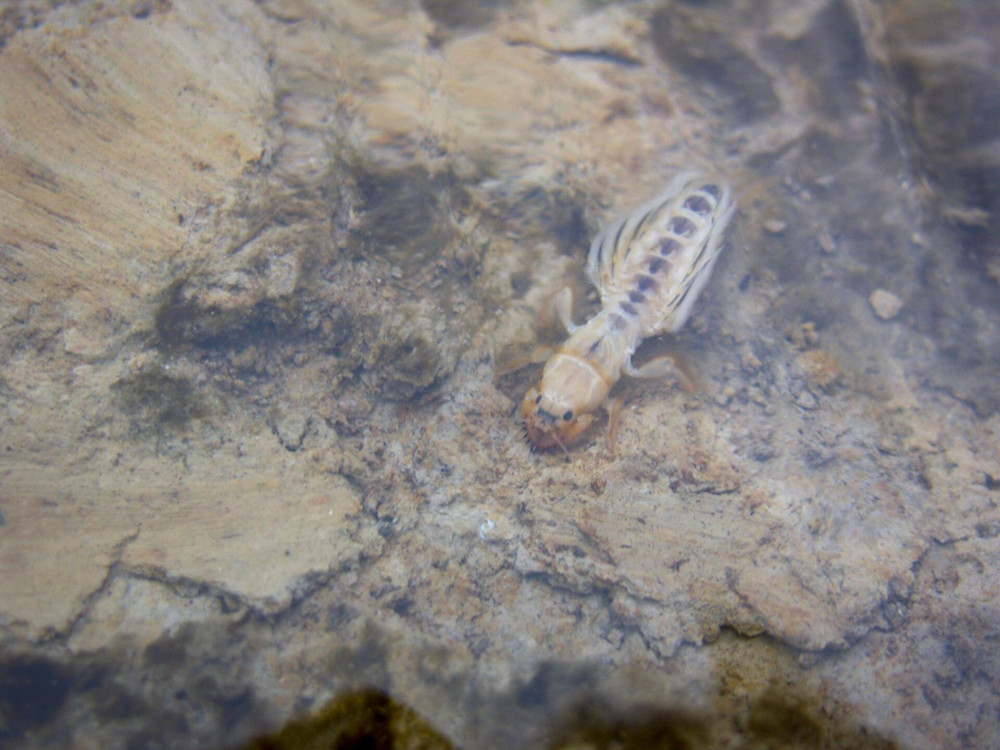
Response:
column 669, row 246
column 714, row 190
column 681, row 226
column 636, row 296
column 647, row 283
column 617, row 322
column 627, row 308
column 698, row 204
column 658, row 264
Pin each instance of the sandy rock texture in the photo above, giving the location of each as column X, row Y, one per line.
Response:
column 267, row 269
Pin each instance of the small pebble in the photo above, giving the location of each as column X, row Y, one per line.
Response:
column 885, row 304
column 749, row 361
column 807, row 401
column 486, row 529
column 775, row 226
column 725, row 395
column 826, row 243
column 76, row 341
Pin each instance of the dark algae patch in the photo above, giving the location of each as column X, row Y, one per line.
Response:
column 363, row 720
column 463, row 14
column 406, row 366
column 155, row 400
column 406, row 214
column 697, row 42
column 184, row 319
column 654, row 729
column 370, row 718
column 186, row 690
column 32, row 691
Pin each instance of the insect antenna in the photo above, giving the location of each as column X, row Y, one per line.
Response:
column 555, row 436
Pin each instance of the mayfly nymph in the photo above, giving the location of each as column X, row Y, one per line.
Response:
column 649, row 267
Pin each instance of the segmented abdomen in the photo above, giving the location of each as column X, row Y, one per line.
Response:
column 650, row 265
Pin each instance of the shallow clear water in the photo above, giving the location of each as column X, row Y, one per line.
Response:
column 267, row 311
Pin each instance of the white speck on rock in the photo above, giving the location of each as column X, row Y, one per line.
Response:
column 885, row 304
column 807, row 401
column 486, row 529
column 826, row 243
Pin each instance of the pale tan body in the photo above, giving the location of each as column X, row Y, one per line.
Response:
column 649, row 268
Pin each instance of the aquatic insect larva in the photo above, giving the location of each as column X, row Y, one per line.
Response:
column 649, row 267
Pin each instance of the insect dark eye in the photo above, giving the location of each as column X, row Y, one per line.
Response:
column 538, row 399
column 568, row 416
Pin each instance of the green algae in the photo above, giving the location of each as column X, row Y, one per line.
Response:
column 362, row 720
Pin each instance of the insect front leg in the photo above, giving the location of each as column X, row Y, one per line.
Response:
column 563, row 303
column 613, row 406
column 537, row 357
column 661, row 367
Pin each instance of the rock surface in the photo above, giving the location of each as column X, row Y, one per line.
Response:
column 258, row 310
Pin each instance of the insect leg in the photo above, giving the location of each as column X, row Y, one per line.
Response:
column 661, row 367
column 613, row 407
column 563, row 303
column 537, row 357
